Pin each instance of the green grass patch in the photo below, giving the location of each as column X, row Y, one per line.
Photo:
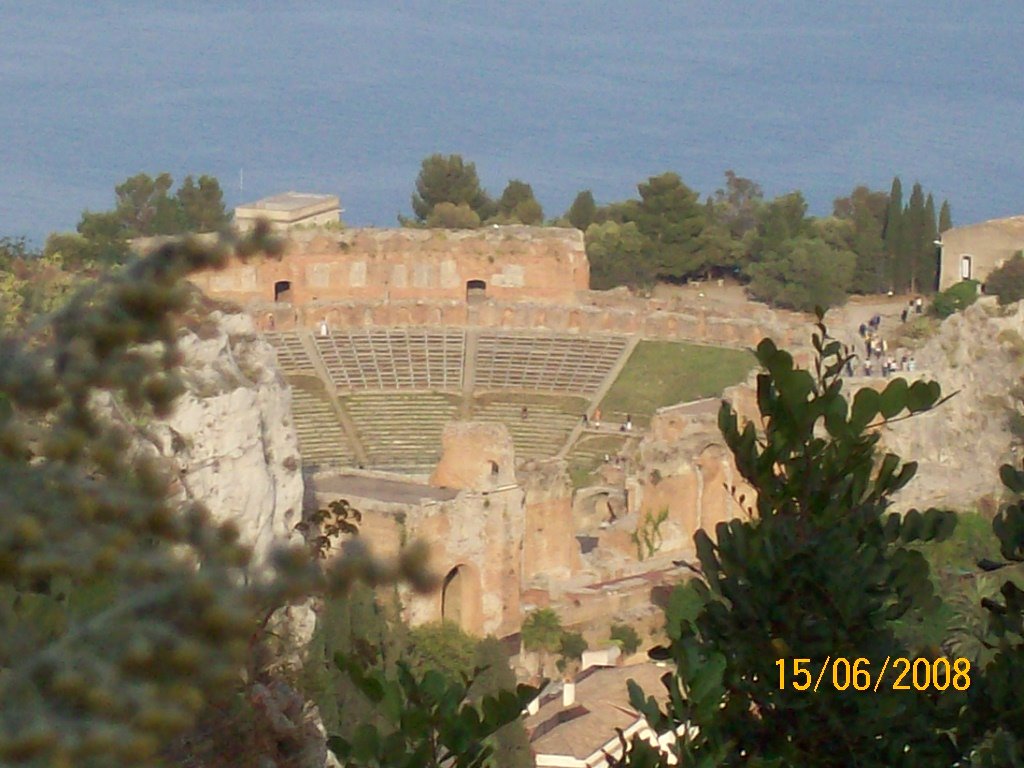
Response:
column 582, row 466
column 661, row 373
column 580, row 475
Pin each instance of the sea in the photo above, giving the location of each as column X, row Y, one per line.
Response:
column 348, row 96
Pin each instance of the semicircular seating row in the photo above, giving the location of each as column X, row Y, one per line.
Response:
column 399, row 387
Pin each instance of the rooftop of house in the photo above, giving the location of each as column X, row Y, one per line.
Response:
column 1010, row 224
column 291, row 208
column 293, row 201
column 601, row 705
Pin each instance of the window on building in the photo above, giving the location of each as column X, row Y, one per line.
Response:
column 965, row 267
column 282, row 290
column 476, row 290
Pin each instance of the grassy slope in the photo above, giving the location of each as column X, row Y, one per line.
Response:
column 661, row 373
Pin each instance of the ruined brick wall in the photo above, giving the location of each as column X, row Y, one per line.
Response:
column 477, row 534
column 550, row 548
column 684, row 466
column 703, row 326
column 543, row 264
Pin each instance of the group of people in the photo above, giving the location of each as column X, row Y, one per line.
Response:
column 914, row 305
column 891, row 365
column 876, row 348
column 595, row 421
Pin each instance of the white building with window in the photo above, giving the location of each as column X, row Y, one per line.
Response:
column 971, row 252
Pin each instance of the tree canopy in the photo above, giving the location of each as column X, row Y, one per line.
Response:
column 671, row 218
column 802, row 273
column 737, row 230
column 582, row 211
column 144, row 207
column 1007, row 280
column 449, row 179
column 518, row 204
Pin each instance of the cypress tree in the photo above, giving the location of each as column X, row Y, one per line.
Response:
column 914, row 234
column 582, row 211
column 893, row 237
column 945, row 217
column 929, row 271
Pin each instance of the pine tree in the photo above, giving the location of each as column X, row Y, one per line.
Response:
column 202, row 204
column 671, row 217
column 449, row 179
column 945, row 217
column 894, row 238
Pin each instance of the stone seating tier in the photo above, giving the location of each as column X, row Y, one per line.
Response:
column 321, row 439
column 291, row 354
column 591, row 449
column 400, row 386
column 546, row 363
column 411, row 358
column 540, row 435
column 401, row 431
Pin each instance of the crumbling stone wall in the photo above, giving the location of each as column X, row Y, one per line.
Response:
column 684, row 466
column 550, row 549
column 477, row 534
column 475, row 456
column 544, row 264
column 702, row 326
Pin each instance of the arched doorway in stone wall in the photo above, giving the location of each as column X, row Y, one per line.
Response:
column 476, row 290
column 283, row 290
column 461, row 599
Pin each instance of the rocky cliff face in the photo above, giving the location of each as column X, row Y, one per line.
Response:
column 230, row 439
column 979, row 354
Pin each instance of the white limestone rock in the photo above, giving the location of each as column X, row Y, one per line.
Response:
column 231, row 435
column 979, row 354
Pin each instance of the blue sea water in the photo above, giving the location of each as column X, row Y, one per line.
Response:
column 349, row 96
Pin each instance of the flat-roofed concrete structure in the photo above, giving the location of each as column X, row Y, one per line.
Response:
column 291, row 209
column 973, row 251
